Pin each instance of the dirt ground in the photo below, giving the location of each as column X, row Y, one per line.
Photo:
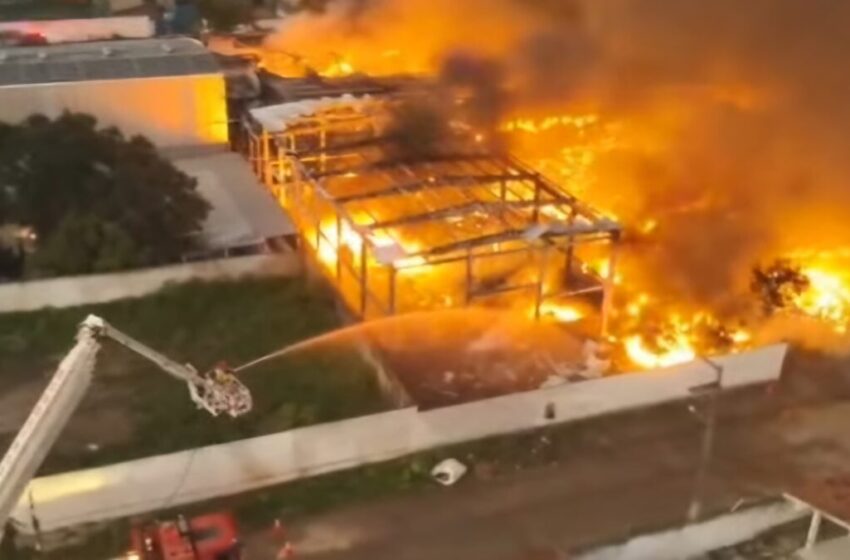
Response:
column 469, row 354
column 105, row 405
column 625, row 475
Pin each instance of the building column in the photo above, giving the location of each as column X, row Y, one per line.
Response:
column 814, row 529
column 608, row 284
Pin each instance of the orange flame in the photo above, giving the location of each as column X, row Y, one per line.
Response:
column 670, row 352
column 827, row 297
column 561, row 313
column 412, row 35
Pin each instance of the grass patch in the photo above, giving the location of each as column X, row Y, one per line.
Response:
column 198, row 323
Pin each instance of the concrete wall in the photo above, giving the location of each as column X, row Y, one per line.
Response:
column 89, row 29
column 69, row 291
column 149, row 484
column 196, row 111
column 594, row 398
column 693, row 540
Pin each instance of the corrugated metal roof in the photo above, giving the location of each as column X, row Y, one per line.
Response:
column 105, row 60
column 243, row 210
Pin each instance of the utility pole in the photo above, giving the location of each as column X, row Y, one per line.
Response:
column 713, row 390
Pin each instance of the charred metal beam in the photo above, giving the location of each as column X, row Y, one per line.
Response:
column 343, row 147
column 459, row 210
column 554, row 190
column 490, row 238
column 581, row 234
column 440, row 181
column 484, row 292
column 389, row 163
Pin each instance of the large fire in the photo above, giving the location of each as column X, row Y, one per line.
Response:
column 330, row 243
column 810, row 287
column 669, row 337
column 657, row 155
column 826, row 297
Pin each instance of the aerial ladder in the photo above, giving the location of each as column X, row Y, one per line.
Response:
column 217, row 392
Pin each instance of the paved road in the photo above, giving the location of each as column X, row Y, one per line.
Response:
column 635, row 474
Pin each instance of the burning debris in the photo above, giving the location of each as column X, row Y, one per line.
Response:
column 779, row 285
column 811, row 291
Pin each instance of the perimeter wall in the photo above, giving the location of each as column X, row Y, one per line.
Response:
column 153, row 483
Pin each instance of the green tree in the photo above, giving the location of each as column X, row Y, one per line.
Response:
column 96, row 200
column 83, row 243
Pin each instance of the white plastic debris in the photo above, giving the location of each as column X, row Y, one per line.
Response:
column 595, row 359
column 448, row 472
column 553, row 381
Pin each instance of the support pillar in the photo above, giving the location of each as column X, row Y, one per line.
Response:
column 266, row 158
column 535, row 215
column 541, row 279
column 338, row 248
column 281, row 179
column 363, row 271
column 469, row 276
column 392, row 290
column 570, row 256
column 814, row 529
column 323, row 144
column 608, row 283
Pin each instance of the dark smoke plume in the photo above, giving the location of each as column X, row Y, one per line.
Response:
column 480, row 83
column 417, row 130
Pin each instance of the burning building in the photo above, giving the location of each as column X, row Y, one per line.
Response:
column 714, row 134
column 457, row 224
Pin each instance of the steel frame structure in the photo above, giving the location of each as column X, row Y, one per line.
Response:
column 485, row 225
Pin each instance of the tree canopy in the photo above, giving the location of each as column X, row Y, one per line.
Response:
column 224, row 15
column 96, row 200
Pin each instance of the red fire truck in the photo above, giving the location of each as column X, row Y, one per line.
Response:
column 212, row 536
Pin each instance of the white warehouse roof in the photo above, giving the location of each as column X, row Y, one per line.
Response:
column 105, row 60
column 243, row 211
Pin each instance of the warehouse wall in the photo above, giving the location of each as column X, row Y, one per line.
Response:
column 89, row 29
column 692, row 541
column 149, row 484
column 99, row 288
column 170, row 111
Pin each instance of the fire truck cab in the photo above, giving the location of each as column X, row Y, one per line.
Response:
column 206, row 537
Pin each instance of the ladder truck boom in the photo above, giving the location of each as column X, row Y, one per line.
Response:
column 218, row 391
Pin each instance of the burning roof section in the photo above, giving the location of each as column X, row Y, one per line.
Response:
column 279, row 89
column 456, row 226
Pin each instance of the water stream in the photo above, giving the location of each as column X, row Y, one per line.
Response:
column 423, row 329
column 422, row 321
